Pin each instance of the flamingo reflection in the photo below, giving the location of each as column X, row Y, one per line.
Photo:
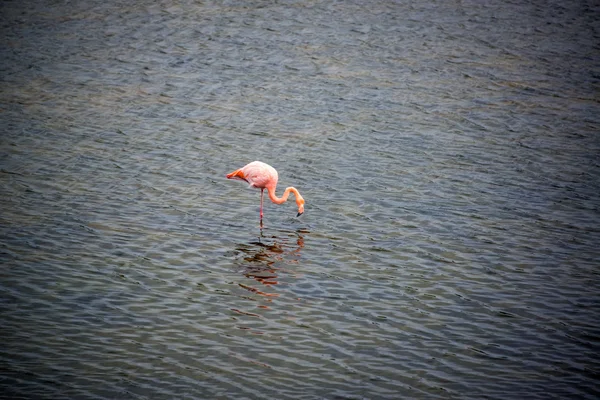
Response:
column 264, row 259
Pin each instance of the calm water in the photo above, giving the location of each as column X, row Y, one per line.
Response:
column 449, row 154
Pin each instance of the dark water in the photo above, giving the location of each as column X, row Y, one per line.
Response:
column 449, row 154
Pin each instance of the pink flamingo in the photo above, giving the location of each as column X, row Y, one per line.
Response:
column 263, row 176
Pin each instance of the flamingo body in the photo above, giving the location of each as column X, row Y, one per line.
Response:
column 262, row 176
column 257, row 174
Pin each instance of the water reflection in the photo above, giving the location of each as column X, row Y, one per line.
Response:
column 266, row 258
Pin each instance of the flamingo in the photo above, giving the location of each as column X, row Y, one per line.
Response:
column 263, row 176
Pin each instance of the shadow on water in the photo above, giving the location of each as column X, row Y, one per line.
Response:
column 268, row 257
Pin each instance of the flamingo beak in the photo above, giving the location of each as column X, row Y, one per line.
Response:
column 237, row 174
column 300, row 210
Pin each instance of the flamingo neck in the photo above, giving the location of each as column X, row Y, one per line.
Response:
column 286, row 194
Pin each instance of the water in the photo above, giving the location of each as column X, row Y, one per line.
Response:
column 448, row 153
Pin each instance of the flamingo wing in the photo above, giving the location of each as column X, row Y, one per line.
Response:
column 260, row 175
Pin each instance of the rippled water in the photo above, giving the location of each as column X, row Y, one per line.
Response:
column 449, row 154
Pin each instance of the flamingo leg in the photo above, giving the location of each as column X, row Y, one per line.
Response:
column 261, row 207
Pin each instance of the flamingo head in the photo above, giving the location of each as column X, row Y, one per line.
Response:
column 300, row 204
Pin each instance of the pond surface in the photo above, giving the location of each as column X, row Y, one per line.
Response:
column 448, row 152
